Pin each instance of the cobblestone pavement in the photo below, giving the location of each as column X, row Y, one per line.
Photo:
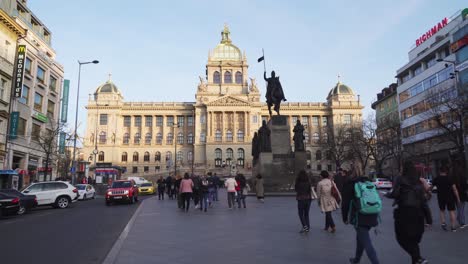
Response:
column 265, row 233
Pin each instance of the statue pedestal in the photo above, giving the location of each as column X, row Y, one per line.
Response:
column 300, row 161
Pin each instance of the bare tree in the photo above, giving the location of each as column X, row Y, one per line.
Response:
column 47, row 140
column 363, row 142
column 336, row 143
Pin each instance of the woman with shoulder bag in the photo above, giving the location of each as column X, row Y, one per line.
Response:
column 304, row 199
column 327, row 202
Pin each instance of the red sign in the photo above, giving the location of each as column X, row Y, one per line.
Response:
column 431, row 32
column 459, row 44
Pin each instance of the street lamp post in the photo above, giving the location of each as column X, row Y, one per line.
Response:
column 76, row 117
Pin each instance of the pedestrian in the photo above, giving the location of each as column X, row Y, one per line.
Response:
column 447, row 197
column 339, row 179
column 211, row 189
column 90, row 180
column 362, row 222
column 217, row 184
column 462, row 188
column 186, row 190
column 242, row 190
column 204, row 193
column 161, row 187
column 230, row 185
column 176, row 188
column 196, row 195
column 410, row 197
column 169, row 185
column 326, row 201
column 303, row 187
column 259, row 188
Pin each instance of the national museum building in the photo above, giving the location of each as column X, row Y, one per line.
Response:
column 215, row 132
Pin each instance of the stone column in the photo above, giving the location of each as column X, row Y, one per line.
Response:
column 234, row 126
column 223, row 120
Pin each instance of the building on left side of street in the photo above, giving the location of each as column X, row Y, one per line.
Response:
column 10, row 32
column 39, row 102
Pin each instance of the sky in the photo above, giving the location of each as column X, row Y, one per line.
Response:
column 155, row 50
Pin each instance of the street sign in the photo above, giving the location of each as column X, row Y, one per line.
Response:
column 72, row 169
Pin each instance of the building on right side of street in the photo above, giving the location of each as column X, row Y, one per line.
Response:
column 429, row 102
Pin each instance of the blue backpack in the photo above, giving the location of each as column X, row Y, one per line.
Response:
column 368, row 199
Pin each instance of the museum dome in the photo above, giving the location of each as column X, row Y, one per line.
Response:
column 226, row 50
column 108, row 87
column 341, row 89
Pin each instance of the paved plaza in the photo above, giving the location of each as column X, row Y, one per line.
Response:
column 264, row 233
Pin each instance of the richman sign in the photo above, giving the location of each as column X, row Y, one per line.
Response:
column 431, row 32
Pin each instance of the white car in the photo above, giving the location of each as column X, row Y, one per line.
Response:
column 85, row 191
column 382, row 183
column 58, row 194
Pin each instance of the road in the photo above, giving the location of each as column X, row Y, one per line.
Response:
column 83, row 233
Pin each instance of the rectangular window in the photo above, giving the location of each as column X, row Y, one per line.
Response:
column 294, row 120
column 38, row 102
column 148, row 121
column 24, row 95
column 254, row 119
column 305, row 120
column 50, row 108
column 3, row 87
column 103, row 119
column 27, row 66
column 202, row 119
column 127, row 121
column 431, row 62
column 138, row 121
column 324, row 121
column 347, row 119
column 329, row 167
column 40, row 74
column 134, row 169
column 159, row 121
column 170, row 121
column 190, row 121
column 319, row 167
column 315, row 120
column 21, row 127
column 53, row 83
column 146, row 168
column 36, row 132
column 406, row 78
column 417, row 70
column 180, row 121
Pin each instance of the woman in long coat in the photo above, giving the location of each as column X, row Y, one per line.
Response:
column 326, row 200
column 259, row 188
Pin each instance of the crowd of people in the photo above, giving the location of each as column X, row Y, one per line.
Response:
column 361, row 205
column 203, row 190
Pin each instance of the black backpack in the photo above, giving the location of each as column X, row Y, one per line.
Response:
column 409, row 195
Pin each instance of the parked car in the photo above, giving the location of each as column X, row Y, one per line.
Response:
column 383, row 183
column 85, row 191
column 122, row 190
column 27, row 202
column 146, row 188
column 58, row 194
column 9, row 204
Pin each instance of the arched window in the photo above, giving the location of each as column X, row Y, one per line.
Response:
column 168, row 156
column 229, row 153
column 240, row 136
column 306, row 137
column 229, row 136
column 124, row 157
column 157, row 156
column 102, row 137
column 218, row 136
column 126, row 138
column 169, row 139
column 202, row 137
column 101, row 156
column 190, row 156
column 159, row 138
column 180, row 156
column 146, row 157
column 240, row 157
column 216, row 77
column 180, row 138
column 315, row 137
column 238, row 77
column 148, row 137
column 135, row 156
column 325, row 137
column 227, row 77
column 318, row 155
column 308, row 155
column 218, row 157
column 137, row 138
column 190, row 138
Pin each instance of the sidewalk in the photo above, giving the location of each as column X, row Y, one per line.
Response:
column 265, row 233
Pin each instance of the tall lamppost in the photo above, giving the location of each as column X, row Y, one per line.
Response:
column 76, row 117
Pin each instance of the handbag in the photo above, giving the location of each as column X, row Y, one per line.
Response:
column 313, row 194
column 335, row 193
